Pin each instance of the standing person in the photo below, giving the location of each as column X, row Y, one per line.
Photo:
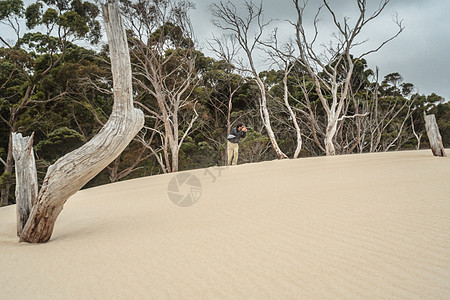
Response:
column 236, row 134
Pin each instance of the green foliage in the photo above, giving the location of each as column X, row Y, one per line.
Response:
column 393, row 85
column 202, row 62
column 33, row 15
column 58, row 143
column 71, row 18
column 188, row 145
column 13, row 77
column 9, row 8
column 186, row 162
column 6, row 178
column 253, row 147
column 442, row 112
column 204, row 146
column 172, row 34
column 271, row 77
column 73, row 22
column 39, row 42
column 50, row 17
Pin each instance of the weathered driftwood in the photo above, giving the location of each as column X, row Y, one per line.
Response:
column 437, row 147
column 69, row 173
column 26, row 178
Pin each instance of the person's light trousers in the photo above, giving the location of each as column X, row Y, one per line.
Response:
column 232, row 151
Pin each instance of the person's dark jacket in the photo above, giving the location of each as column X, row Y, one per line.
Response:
column 237, row 135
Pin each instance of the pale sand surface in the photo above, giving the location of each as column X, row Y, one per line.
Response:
column 372, row 226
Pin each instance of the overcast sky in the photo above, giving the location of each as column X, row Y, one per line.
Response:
column 420, row 53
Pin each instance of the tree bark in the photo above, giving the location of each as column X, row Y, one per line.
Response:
column 72, row 171
column 26, row 178
column 265, row 116
column 230, row 107
column 437, row 147
column 298, row 147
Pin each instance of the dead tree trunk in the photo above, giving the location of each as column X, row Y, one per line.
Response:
column 298, row 147
column 72, row 171
column 228, row 19
column 331, row 70
column 436, row 145
column 265, row 117
column 26, row 178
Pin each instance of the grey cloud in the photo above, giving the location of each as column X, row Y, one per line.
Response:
column 419, row 54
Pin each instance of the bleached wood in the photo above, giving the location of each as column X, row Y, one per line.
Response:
column 72, row 171
column 228, row 19
column 298, row 147
column 265, row 116
column 436, row 145
column 26, row 178
column 331, row 70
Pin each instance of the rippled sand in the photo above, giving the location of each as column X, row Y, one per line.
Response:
column 372, row 226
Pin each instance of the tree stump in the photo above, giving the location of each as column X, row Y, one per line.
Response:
column 26, row 178
column 437, row 147
column 72, row 171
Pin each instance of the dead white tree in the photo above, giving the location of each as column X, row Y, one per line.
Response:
column 387, row 123
column 332, row 69
column 72, row 171
column 26, row 178
column 283, row 58
column 226, row 49
column 436, row 145
column 163, row 56
column 228, row 19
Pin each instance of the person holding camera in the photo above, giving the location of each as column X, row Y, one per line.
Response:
column 236, row 134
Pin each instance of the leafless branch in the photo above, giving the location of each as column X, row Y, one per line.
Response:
column 353, row 116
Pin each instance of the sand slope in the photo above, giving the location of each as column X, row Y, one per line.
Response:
column 372, row 226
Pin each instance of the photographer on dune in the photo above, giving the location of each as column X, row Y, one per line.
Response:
column 236, row 134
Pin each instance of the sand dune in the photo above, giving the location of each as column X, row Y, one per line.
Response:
column 372, row 226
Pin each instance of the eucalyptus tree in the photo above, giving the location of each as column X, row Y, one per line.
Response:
column 283, row 56
column 248, row 31
column 163, row 58
column 332, row 68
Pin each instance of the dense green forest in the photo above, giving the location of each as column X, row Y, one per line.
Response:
column 61, row 91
